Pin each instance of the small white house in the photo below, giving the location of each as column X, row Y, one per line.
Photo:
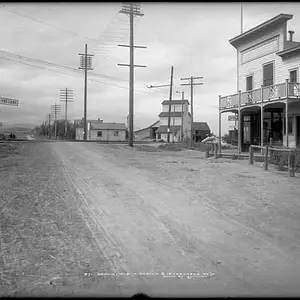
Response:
column 97, row 130
column 107, row 131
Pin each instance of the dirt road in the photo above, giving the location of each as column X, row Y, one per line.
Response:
column 174, row 223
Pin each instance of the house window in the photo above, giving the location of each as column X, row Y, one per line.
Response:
column 290, row 125
column 99, row 134
column 249, row 83
column 293, row 76
column 268, row 74
column 116, row 133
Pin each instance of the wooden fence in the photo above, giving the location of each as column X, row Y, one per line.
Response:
column 266, row 149
column 211, row 147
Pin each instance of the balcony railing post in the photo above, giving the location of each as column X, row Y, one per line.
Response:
column 251, row 155
column 239, row 123
column 286, row 113
column 291, row 164
column 262, row 118
column 266, row 157
column 220, row 127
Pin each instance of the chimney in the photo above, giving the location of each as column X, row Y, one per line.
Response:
column 291, row 32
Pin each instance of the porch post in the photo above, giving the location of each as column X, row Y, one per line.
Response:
column 239, row 124
column 286, row 112
column 220, row 126
column 262, row 119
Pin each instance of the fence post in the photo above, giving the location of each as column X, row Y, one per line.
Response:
column 216, row 150
column 250, row 155
column 291, row 164
column 266, row 157
column 206, row 150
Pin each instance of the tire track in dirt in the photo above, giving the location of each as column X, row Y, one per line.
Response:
column 176, row 233
column 111, row 249
column 144, row 259
column 216, row 194
column 261, row 239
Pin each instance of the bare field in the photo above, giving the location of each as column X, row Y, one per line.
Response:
column 71, row 212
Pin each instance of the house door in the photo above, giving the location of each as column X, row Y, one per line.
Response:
column 298, row 130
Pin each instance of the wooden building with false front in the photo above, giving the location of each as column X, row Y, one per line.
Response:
column 267, row 100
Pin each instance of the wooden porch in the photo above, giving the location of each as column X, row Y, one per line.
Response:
column 256, row 111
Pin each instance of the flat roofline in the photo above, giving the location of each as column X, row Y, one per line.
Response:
column 279, row 18
column 288, row 51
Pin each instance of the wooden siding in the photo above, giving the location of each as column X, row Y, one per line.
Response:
column 178, row 107
column 107, row 135
column 139, row 136
column 262, row 50
column 164, row 121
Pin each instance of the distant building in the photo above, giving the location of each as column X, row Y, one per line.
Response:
column 148, row 132
column 180, row 121
column 97, row 130
column 200, row 130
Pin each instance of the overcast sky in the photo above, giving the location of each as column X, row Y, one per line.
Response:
column 193, row 37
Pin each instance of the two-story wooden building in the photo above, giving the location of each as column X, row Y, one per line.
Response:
column 268, row 90
column 180, row 121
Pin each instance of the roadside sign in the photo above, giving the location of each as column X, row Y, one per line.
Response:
column 232, row 118
column 9, row 101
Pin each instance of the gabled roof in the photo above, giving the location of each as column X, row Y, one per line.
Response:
column 164, row 129
column 174, row 102
column 281, row 18
column 200, row 126
column 151, row 126
column 105, row 126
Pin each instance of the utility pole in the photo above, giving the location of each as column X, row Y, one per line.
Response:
column 55, row 110
column 191, row 84
column 49, row 124
column 170, row 99
column 173, row 124
column 85, row 64
column 66, row 95
column 132, row 10
column 182, row 99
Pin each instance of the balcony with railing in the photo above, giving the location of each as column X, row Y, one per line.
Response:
column 260, row 96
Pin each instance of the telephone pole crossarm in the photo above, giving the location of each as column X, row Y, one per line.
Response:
column 200, row 83
column 131, row 9
column 136, row 66
column 140, row 47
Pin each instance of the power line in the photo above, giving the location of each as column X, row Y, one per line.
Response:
column 47, row 24
column 69, row 70
column 50, row 64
